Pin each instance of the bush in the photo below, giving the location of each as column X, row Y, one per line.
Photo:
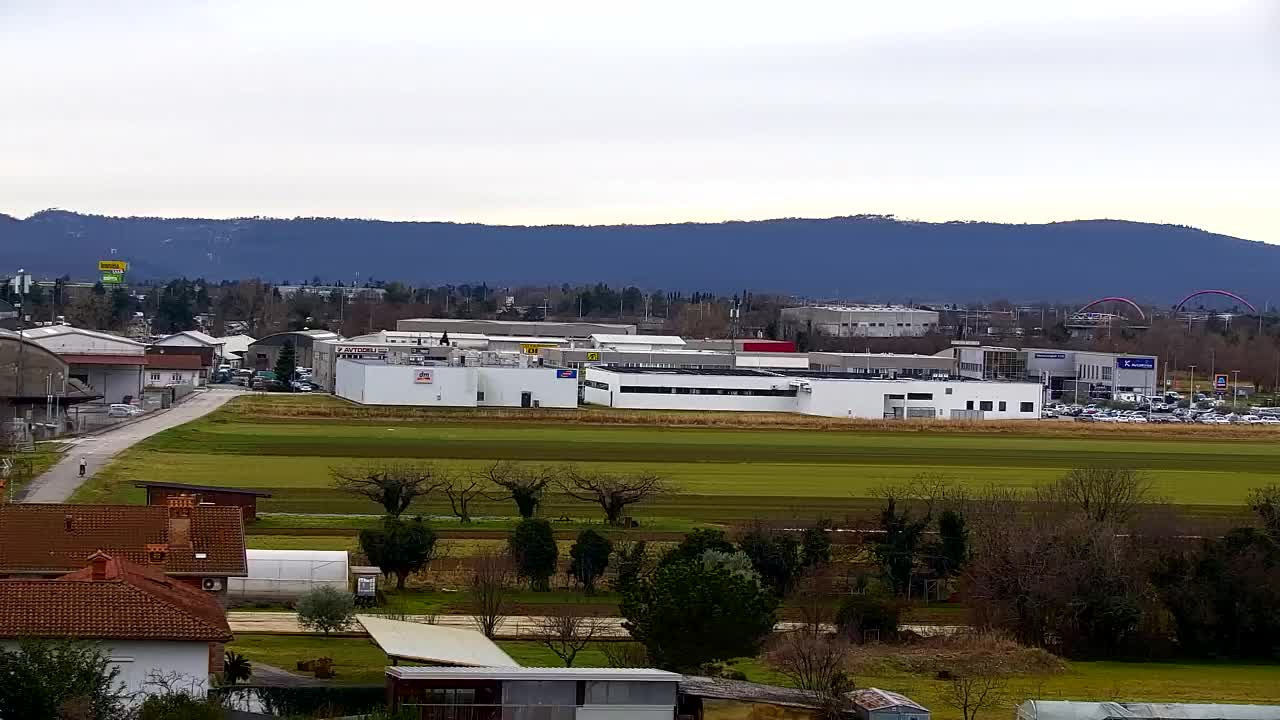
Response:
column 533, row 547
column 399, row 547
column 874, row 613
column 589, row 558
column 326, row 609
column 42, row 677
column 178, row 706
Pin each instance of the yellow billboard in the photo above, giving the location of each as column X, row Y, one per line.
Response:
column 532, row 348
column 112, row 266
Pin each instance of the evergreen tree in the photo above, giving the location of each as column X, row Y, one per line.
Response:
column 286, row 364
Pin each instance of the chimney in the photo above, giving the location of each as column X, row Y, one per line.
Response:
column 180, row 510
column 156, row 553
column 98, row 561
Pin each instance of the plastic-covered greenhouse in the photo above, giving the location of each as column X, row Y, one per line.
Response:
column 1073, row 710
column 287, row 574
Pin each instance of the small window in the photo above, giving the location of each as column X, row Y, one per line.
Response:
column 479, row 396
column 985, row 405
column 968, row 405
column 1002, row 406
column 919, row 396
column 948, row 391
column 1028, row 407
column 155, row 376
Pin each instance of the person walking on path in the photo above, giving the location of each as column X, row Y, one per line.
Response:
column 84, row 464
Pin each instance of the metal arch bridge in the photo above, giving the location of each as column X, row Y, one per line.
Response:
column 1223, row 293
column 1124, row 300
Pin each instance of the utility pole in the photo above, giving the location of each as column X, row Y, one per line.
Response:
column 733, row 330
column 1235, row 388
column 1191, row 399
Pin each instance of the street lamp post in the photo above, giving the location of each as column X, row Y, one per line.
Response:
column 1191, row 398
column 1235, row 388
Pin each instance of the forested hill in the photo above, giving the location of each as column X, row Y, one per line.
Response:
column 868, row 257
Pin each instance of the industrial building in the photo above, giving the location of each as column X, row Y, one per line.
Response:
column 866, row 321
column 809, row 393
column 377, row 382
column 108, row 365
column 883, row 365
column 1086, row 373
column 262, row 354
column 35, row 389
column 687, row 359
column 575, row 330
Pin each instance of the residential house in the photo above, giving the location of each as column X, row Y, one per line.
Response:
column 196, row 544
column 148, row 623
column 174, row 354
column 234, row 348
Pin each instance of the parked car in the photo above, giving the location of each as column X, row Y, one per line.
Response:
column 120, row 410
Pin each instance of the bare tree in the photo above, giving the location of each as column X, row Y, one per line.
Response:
column 567, row 632
column 492, row 586
column 810, row 659
column 1103, row 494
column 974, row 688
column 813, row 598
column 394, row 487
column 613, row 493
column 461, row 490
column 524, row 484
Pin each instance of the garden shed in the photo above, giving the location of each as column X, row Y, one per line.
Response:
column 278, row 575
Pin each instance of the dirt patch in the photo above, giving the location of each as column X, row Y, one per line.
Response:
column 947, row 654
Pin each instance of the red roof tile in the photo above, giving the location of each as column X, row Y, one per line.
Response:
column 54, row 538
column 128, row 602
column 173, row 361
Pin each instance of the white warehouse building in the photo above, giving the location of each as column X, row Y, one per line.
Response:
column 810, row 393
column 376, row 382
column 871, row 321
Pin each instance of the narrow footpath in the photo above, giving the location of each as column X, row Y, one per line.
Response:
column 58, row 483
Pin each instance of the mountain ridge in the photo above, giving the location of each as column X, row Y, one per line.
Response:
column 873, row 257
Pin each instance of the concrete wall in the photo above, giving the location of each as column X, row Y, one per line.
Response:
column 869, row 398
column 614, row 397
column 136, row 660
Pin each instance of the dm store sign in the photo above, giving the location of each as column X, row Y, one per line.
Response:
column 422, row 377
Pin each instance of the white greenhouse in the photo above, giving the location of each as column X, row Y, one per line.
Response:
column 1073, row 710
column 289, row 574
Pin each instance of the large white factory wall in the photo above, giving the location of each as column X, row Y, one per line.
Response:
column 348, row 380
column 503, row 387
column 867, row 398
column 683, row 401
column 396, row 384
column 796, row 361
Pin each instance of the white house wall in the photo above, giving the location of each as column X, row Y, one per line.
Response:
column 137, row 660
column 614, row 397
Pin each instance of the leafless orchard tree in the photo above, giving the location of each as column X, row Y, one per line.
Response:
column 810, row 659
column 523, row 484
column 1103, row 494
column 492, row 588
column 567, row 632
column 461, row 491
column 394, row 487
column 613, row 493
column 625, row 655
column 975, row 687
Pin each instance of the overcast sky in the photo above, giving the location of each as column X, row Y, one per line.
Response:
column 594, row 112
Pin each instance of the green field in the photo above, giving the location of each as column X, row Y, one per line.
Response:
column 357, row 660
column 723, row 475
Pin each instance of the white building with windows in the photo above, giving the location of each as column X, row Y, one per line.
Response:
column 810, row 393
column 871, row 321
column 1060, row 370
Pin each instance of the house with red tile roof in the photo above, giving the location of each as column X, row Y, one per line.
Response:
column 194, row 543
column 147, row 622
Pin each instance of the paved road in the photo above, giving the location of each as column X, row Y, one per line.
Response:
column 513, row 627
column 60, row 481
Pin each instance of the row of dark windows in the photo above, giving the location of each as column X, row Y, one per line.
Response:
column 987, row 405
column 657, row 390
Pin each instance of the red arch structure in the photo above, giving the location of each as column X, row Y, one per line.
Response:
column 1224, row 293
column 1124, row 300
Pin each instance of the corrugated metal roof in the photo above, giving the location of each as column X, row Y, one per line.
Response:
column 877, row 699
column 434, row 643
column 56, row 330
column 638, row 339
column 194, row 335
column 532, row 673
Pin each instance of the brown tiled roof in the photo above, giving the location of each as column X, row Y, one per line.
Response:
column 55, row 538
column 128, row 602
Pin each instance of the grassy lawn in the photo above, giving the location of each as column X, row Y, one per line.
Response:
column 724, row 475
column 358, row 660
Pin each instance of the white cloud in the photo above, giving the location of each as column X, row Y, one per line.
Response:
column 590, row 112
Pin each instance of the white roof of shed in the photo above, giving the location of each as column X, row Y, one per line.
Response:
column 194, row 335
column 236, row 343
column 435, row 644
column 638, row 339
column 56, row 330
column 533, row 673
column 877, row 699
column 314, row 555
